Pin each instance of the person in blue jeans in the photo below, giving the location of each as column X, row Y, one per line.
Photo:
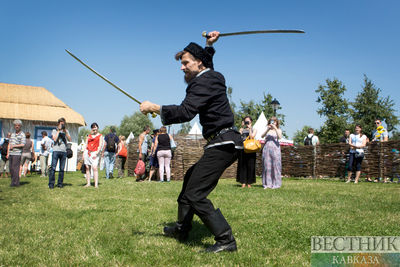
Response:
column 60, row 136
column 111, row 144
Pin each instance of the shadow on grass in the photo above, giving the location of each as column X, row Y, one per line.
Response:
column 23, row 183
column 91, row 184
column 244, row 188
column 196, row 235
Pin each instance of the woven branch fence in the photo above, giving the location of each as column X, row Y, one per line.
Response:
column 326, row 160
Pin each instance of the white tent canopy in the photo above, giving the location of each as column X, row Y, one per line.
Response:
column 195, row 129
column 130, row 137
column 260, row 126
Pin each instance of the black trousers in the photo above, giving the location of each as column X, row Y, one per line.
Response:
column 354, row 161
column 246, row 168
column 203, row 177
column 15, row 162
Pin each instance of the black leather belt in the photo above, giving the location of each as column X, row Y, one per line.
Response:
column 216, row 134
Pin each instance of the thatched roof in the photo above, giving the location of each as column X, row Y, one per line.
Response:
column 35, row 104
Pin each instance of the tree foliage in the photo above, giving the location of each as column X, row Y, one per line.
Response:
column 185, row 128
column 299, row 135
column 83, row 132
column 395, row 135
column 335, row 108
column 369, row 106
column 231, row 103
column 106, row 130
column 254, row 110
column 134, row 123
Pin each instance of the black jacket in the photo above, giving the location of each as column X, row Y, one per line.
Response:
column 206, row 96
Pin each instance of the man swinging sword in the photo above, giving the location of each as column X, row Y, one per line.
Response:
column 206, row 96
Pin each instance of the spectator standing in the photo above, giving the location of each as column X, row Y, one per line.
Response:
column 380, row 134
column 311, row 139
column 60, row 136
column 163, row 147
column 111, row 143
column 122, row 155
column 357, row 143
column 94, row 145
column 271, row 155
column 17, row 142
column 246, row 168
column 153, row 156
column 45, row 148
column 27, row 154
column 4, row 162
column 345, row 138
column 143, row 148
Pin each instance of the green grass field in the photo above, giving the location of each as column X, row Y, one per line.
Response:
column 120, row 224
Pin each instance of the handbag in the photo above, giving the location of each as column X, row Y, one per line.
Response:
column 359, row 154
column 251, row 145
column 140, row 168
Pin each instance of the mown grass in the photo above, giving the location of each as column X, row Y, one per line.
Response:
column 120, row 224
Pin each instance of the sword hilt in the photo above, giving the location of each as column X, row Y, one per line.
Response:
column 204, row 34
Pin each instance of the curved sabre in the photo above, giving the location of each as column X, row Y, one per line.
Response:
column 105, row 79
column 204, row 34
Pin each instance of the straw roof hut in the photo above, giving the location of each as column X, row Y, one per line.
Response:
column 39, row 110
column 34, row 104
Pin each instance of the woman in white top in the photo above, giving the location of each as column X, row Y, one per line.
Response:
column 357, row 142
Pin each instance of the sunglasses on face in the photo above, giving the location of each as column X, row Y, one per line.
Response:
column 377, row 122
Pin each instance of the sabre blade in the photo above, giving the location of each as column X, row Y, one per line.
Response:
column 204, row 34
column 104, row 78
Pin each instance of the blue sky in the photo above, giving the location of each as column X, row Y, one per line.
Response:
column 132, row 43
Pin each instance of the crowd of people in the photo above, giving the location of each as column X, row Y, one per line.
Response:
column 156, row 150
column 357, row 142
column 271, row 153
column 18, row 154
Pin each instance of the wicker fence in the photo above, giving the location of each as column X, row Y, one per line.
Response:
column 188, row 152
column 327, row 160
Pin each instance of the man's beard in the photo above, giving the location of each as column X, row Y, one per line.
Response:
column 190, row 75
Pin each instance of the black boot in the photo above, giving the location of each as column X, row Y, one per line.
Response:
column 219, row 227
column 183, row 226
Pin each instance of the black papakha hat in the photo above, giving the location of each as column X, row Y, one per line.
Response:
column 200, row 53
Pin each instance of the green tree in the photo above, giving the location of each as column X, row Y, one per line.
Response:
column 335, row 108
column 83, row 132
column 134, row 123
column 231, row 103
column 369, row 106
column 254, row 110
column 106, row 129
column 299, row 135
column 185, row 128
column 395, row 135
